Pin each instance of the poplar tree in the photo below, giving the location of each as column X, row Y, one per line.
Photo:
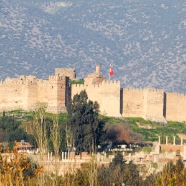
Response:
column 39, row 130
column 56, row 137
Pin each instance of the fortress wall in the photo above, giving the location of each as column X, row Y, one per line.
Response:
column 93, row 92
column 11, row 95
column 106, row 94
column 76, row 89
column 31, row 96
column 133, row 102
column 154, row 104
column 175, row 107
column 26, row 92
column 110, row 96
column 29, row 92
column 42, row 94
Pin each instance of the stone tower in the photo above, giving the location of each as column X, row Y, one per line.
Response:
column 58, row 93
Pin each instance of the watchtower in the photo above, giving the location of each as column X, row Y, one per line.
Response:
column 58, row 93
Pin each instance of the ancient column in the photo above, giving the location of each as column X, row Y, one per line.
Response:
column 181, row 140
column 159, row 137
column 62, row 155
column 65, row 155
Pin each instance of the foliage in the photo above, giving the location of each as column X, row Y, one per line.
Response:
column 20, row 170
column 48, row 131
column 119, row 172
column 39, row 128
column 125, row 127
column 147, row 149
column 121, row 134
column 83, row 122
column 77, row 81
column 11, row 125
column 55, row 136
column 131, row 175
column 8, row 123
column 163, row 129
column 118, row 161
column 19, row 135
column 172, row 174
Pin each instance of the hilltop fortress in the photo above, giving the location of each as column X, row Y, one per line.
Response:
column 26, row 92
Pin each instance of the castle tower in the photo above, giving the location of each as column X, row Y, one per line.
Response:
column 69, row 72
column 58, row 94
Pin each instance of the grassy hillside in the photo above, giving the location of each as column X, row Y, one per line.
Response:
column 148, row 129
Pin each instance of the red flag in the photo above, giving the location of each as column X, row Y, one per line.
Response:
column 111, row 70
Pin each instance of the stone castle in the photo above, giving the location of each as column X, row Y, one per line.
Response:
column 26, row 92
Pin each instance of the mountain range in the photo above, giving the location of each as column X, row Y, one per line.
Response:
column 144, row 40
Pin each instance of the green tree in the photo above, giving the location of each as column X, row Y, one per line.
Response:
column 9, row 123
column 19, row 135
column 118, row 161
column 131, row 175
column 83, row 122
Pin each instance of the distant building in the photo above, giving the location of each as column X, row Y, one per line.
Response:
column 23, row 147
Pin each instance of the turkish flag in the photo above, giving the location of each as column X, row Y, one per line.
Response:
column 111, row 71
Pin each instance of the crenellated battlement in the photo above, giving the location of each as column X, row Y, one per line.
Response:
column 133, row 89
column 116, row 82
column 102, row 84
column 176, row 94
column 78, row 85
column 153, row 90
column 22, row 80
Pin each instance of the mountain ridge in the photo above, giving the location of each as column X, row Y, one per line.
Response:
column 145, row 41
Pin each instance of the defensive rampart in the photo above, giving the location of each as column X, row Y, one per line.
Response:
column 133, row 103
column 175, row 107
column 18, row 93
column 26, row 92
column 107, row 94
column 146, row 103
